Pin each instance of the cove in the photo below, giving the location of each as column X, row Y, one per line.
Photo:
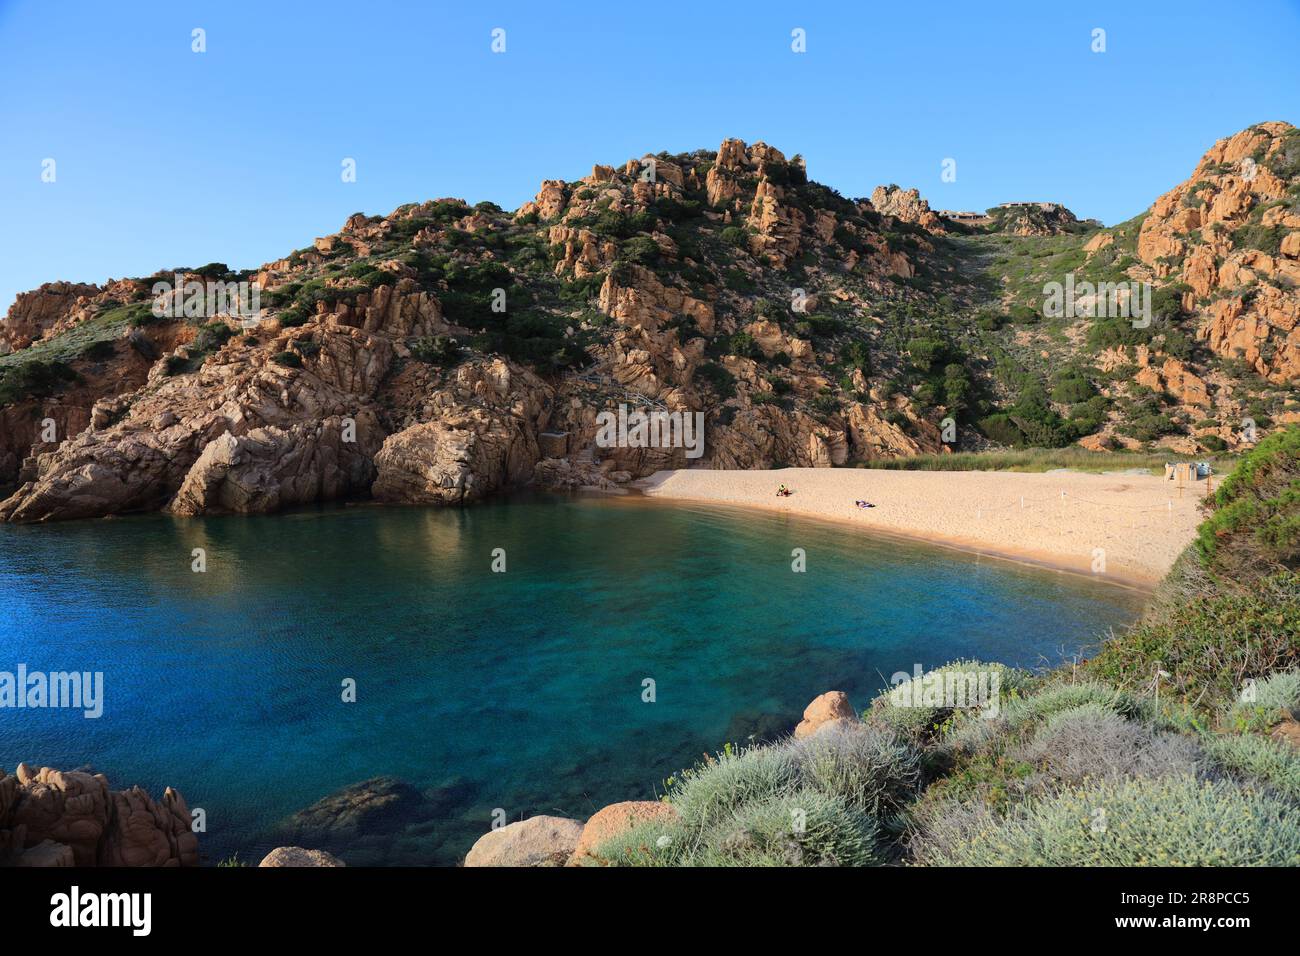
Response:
column 520, row 692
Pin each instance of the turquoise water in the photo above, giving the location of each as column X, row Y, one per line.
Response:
column 519, row 690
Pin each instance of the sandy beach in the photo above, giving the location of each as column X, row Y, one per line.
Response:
column 1058, row 519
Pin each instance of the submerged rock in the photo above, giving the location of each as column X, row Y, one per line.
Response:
column 375, row 806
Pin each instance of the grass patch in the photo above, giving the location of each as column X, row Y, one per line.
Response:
column 1028, row 459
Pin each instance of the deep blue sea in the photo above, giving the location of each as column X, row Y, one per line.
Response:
column 520, row 690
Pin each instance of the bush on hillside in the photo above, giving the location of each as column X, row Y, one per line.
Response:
column 970, row 731
column 804, row 828
column 1273, row 763
column 871, row 769
column 1204, row 646
column 1255, row 526
column 722, row 784
column 905, row 708
column 1093, row 742
column 1273, row 698
column 1163, row 821
column 33, row 379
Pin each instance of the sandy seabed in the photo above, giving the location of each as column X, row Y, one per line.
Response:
column 1125, row 527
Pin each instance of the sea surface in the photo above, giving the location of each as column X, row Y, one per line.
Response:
column 519, row 692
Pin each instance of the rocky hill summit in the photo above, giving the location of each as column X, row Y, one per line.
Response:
column 445, row 352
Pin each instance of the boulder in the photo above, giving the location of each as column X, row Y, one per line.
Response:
column 298, row 856
column 830, row 707
column 47, row 853
column 617, row 818
column 537, row 841
column 1288, row 732
column 465, row 456
column 71, row 808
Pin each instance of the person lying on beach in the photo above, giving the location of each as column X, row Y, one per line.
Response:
column 864, row 504
column 783, row 492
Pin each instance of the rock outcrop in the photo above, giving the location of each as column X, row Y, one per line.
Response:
column 1236, row 240
column 907, row 205
column 56, row 818
column 420, row 357
column 35, row 313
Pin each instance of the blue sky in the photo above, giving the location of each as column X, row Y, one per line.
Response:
column 165, row 157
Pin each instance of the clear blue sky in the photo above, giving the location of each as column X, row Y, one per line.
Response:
column 166, row 157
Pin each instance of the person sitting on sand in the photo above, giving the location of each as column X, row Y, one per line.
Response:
column 783, row 492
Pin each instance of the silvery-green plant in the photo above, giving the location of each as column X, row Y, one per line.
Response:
column 1093, row 742
column 970, row 731
column 1269, row 700
column 803, row 828
column 903, row 707
column 722, row 784
column 872, row 769
column 1162, row 821
column 1271, row 762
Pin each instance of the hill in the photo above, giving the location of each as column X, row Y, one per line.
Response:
column 444, row 352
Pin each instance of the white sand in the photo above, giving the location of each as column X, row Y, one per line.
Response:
column 1128, row 516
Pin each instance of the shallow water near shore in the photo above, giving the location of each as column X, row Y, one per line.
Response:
column 520, row 690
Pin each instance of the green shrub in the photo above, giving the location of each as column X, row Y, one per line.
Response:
column 970, row 730
column 718, row 378
column 1206, row 640
column 1256, row 522
column 804, row 828
column 718, row 787
column 293, row 317
column 735, row 236
column 1072, row 386
column 33, row 379
column 738, row 281
column 871, row 769
column 1262, row 759
column 799, row 828
column 209, row 338
column 1274, row 697
column 437, row 350
column 905, row 707
column 1061, row 697
column 1163, row 821
column 653, row 843
column 289, row 359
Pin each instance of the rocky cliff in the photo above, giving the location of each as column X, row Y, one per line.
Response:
column 445, row 352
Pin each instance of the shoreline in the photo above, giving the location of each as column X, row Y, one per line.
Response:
column 1137, row 522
